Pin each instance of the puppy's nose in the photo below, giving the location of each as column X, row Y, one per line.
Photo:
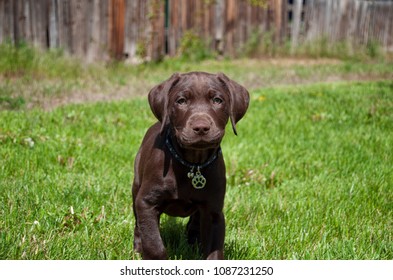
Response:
column 201, row 127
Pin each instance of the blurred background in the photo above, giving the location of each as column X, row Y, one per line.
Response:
column 56, row 52
column 137, row 30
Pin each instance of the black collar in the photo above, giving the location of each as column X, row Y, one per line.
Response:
column 186, row 163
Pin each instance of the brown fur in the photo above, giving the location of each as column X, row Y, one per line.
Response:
column 192, row 111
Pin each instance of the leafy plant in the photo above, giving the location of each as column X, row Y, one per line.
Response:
column 16, row 60
column 252, row 46
column 373, row 49
column 193, row 47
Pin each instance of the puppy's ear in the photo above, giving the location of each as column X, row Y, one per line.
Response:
column 239, row 99
column 158, row 99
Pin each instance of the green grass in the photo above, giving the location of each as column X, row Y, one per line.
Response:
column 309, row 177
column 30, row 78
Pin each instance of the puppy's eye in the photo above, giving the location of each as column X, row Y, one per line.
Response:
column 217, row 100
column 181, row 101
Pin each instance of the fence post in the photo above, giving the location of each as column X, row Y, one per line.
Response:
column 93, row 43
column 116, row 30
column 219, row 26
column 277, row 20
column 131, row 30
column 53, row 25
column 296, row 19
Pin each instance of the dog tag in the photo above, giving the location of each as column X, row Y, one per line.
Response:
column 198, row 181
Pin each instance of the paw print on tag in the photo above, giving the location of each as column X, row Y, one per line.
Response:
column 198, row 181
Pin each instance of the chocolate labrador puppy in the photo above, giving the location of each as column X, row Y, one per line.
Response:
column 179, row 169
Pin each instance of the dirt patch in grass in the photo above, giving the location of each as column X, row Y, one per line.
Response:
column 287, row 61
column 86, row 96
column 125, row 93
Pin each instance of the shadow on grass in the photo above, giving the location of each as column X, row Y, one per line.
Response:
column 173, row 232
column 234, row 250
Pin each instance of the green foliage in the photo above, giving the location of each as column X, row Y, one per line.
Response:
column 21, row 60
column 8, row 100
column 12, row 103
column 193, row 47
column 320, row 48
column 311, row 168
column 16, row 60
column 252, row 47
column 52, row 76
column 141, row 50
column 373, row 49
column 258, row 3
column 264, row 45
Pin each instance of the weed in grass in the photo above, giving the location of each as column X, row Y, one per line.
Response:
column 12, row 103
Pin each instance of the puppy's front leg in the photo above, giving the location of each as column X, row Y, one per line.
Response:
column 148, row 225
column 213, row 235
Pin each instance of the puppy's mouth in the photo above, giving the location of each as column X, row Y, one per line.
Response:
column 198, row 142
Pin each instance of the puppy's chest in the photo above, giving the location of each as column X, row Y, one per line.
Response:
column 179, row 208
column 185, row 194
column 185, row 200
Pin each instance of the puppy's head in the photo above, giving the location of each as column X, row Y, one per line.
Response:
column 197, row 107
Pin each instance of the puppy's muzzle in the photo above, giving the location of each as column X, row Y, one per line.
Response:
column 200, row 124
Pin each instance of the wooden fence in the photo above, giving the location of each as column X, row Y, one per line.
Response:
column 357, row 21
column 100, row 29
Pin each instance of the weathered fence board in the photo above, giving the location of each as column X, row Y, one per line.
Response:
column 99, row 29
column 355, row 21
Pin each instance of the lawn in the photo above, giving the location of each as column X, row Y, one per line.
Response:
column 309, row 175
